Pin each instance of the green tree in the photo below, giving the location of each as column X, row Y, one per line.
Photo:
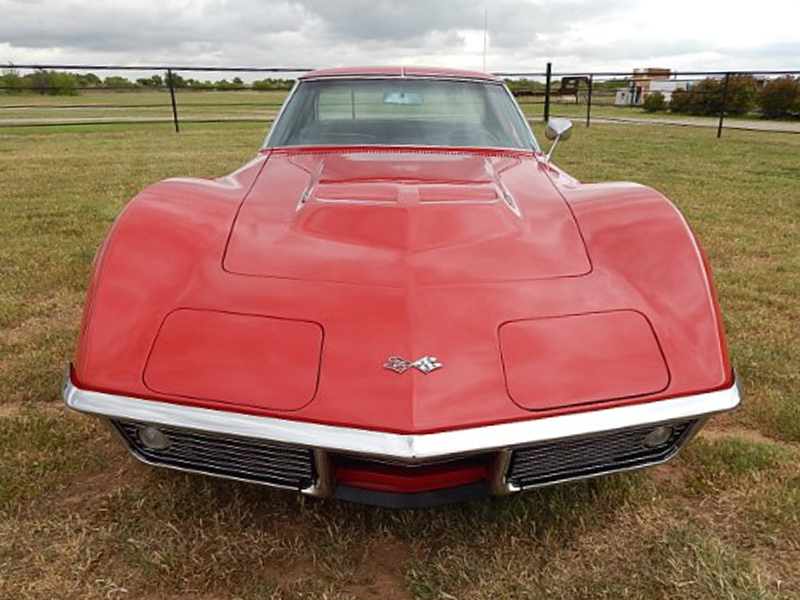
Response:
column 611, row 84
column 706, row 96
column 11, row 82
column 272, row 84
column 225, row 86
column 155, row 81
column 780, row 98
column 196, row 84
column 117, row 82
column 53, row 83
column 742, row 95
column 679, row 102
column 177, row 80
column 86, row 80
column 524, row 84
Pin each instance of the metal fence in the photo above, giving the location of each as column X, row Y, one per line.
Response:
column 171, row 100
column 610, row 96
column 614, row 96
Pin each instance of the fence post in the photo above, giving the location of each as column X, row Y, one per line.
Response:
column 172, row 97
column 722, row 105
column 589, row 102
column 548, row 77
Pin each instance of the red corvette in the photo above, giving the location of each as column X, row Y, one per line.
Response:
column 401, row 301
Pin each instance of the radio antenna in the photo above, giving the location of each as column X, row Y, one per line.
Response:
column 485, row 35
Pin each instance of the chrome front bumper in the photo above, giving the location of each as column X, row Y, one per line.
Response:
column 500, row 440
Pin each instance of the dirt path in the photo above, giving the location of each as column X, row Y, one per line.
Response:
column 779, row 126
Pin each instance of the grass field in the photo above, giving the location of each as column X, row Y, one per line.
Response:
column 103, row 105
column 138, row 105
column 142, row 106
column 80, row 519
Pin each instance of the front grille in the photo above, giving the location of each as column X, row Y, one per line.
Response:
column 551, row 462
column 241, row 458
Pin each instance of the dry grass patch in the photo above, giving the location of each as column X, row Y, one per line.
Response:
column 81, row 519
column 741, row 196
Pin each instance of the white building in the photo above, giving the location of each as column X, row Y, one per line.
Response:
column 645, row 82
column 666, row 87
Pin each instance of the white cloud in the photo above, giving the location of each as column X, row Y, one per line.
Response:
column 575, row 34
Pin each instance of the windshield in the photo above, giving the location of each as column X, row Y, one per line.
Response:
column 399, row 111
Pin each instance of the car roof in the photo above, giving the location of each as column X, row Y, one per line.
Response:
column 367, row 72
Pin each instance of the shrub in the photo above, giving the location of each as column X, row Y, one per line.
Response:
column 524, row 84
column 705, row 97
column 118, row 83
column 780, row 98
column 88, row 80
column 272, row 84
column 654, row 102
column 679, row 102
column 742, row 95
column 11, row 82
column 196, row 84
column 155, row 81
column 611, row 84
column 225, row 86
column 176, row 80
column 53, row 83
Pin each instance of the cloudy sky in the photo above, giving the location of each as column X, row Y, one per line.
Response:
column 576, row 35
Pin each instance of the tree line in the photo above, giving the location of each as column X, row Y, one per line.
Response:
column 524, row 84
column 62, row 83
column 776, row 99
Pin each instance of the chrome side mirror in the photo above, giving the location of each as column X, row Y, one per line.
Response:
column 558, row 129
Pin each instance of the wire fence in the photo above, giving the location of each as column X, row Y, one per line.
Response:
column 63, row 95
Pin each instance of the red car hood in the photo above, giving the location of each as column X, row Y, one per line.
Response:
column 335, row 262
column 403, row 218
